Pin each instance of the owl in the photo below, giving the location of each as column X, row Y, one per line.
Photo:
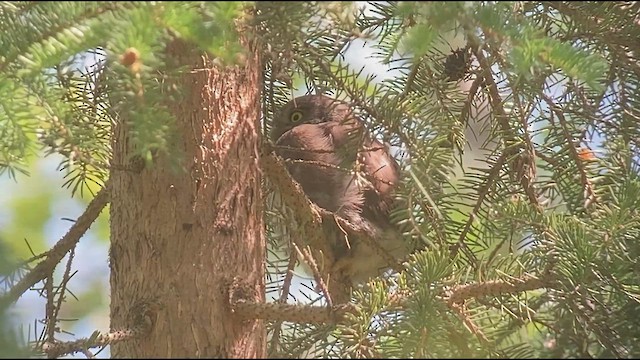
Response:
column 344, row 170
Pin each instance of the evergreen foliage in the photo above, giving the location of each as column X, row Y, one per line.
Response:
column 550, row 191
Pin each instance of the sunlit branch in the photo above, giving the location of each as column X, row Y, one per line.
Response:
column 62, row 247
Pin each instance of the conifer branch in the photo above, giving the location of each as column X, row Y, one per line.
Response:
column 142, row 316
column 62, row 247
column 520, row 154
column 297, row 313
column 460, row 293
column 284, row 295
column 589, row 194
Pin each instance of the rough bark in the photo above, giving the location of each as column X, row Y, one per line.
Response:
column 180, row 237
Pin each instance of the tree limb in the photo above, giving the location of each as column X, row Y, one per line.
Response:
column 454, row 297
column 62, row 247
column 57, row 349
column 458, row 294
column 142, row 316
column 297, row 313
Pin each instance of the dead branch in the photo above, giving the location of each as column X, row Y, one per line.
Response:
column 62, row 247
column 589, row 193
column 293, row 312
column 284, row 295
column 296, row 313
column 460, row 293
column 239, row 292
column 308, row 258
column 50, row 313
column 57, row 349
column 454, row 297
column 459, row 309
column 518, row 151
column 142, row 316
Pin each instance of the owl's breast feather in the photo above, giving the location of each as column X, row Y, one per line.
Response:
column 312, row 160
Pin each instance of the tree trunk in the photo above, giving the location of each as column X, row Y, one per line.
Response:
column 180, row 237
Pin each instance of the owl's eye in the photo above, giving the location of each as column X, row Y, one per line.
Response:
column 295, row 116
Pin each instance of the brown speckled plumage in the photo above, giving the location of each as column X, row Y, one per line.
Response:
column 341, row 168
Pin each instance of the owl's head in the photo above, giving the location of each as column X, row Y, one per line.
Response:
column 308, row 109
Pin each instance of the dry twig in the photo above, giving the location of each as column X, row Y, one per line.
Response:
column 61, row 248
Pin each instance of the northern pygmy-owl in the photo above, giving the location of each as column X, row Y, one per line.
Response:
column 344, row 170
